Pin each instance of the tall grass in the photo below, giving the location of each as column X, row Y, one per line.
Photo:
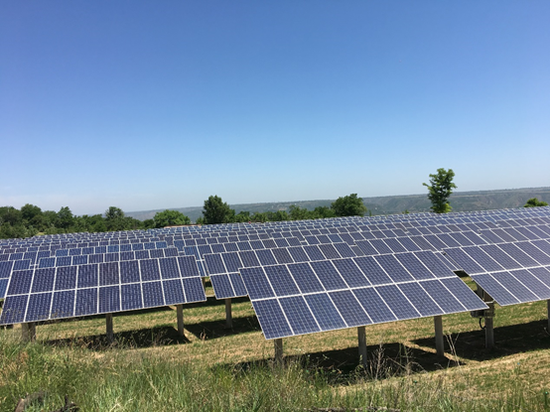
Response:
column 119, row 380
column 233, row 372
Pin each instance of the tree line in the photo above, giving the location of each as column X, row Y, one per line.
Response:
column 31, row 220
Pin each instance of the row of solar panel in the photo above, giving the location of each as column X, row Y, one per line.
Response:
column 86, row 249
column 232, row 262
column 44, row 262
column 516, row 286
column 102, row 274
column 430, row 221
column 289, row 313
column 99, row 300
column 112, row 286
column 498, row 257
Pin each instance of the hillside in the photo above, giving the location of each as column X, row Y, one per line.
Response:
column 460, row 201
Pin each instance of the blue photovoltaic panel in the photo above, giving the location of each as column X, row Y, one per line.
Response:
column 325, row 311
column 374, row 272
column 173, row 292
column 20, row 282
column 86, row 302
column 214, row 264
column 222, row 286
column 395, row 299
column 43, row 280
column 299, row 316
column 63, row 304
column 3, row 287
column 281, row 280
column 442, row 296
column 393, row 268
column 152, row 294
column 349, row 307
column 305, row 278
column 109, row 299
column 272, row 319
column 72, row 291
column 351, row 273
column 131, row 296
column 194, row 290
column 373, row 304
column 314, row 253
column 238, row 285
column 328, row 275
column 256, row 283
column 423, row 303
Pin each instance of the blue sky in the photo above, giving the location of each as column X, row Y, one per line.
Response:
column 153, row 105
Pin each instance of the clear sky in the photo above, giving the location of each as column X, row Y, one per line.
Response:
column 159, row 104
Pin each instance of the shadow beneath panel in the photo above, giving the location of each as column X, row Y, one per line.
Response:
column 509, row 340
column 342, row 366
column 217, row 329
column 141, row 338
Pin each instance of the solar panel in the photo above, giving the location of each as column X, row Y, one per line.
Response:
column 68, row 291
column 308, row 297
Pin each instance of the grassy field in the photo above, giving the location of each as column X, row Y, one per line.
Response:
column 150, row 367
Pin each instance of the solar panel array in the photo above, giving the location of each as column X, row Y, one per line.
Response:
column 301, row 276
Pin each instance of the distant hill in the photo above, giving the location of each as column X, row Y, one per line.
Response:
column 383, row 205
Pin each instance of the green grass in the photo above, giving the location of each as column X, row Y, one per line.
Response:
column 213, row 369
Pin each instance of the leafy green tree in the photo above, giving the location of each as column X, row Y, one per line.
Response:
column 260, row 217
column 243, row 216
column 322, row 212
column 298, row 213
column 215, row 210
column 534, row 202
column 440, row 188
column 10, row 215
column 278, row 216
column 350, row 205
column 114, row 219
column 170, row 218
column 65, row 219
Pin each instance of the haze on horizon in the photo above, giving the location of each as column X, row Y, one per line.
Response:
column 150, row 106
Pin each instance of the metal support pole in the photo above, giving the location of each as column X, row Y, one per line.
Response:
column 548, row 309
column 28, row 332
column 179, row 312
column 228, row 315
column 278, row 351
column 489, row 332
column 362, row 338
column 439, row 339
column 109, row 327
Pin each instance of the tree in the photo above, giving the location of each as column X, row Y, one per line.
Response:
column 322, row 212
column 114, row 219
column 534, row 202
column 350, row 205
column 215, row 210
column 440, row 188
column 65, row 218
column 298, row 213
column 170, row 218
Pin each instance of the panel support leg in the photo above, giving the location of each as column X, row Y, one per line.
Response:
column 228, row 315
column 109, row 327
column 548, row 309
column 489, row 332
column 362, row 338
column 278, row 351
column 28, row 332
column 179, row 312
column 439, row 340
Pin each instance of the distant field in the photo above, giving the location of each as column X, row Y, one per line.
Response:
column 212, row 369
column 460, row 201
